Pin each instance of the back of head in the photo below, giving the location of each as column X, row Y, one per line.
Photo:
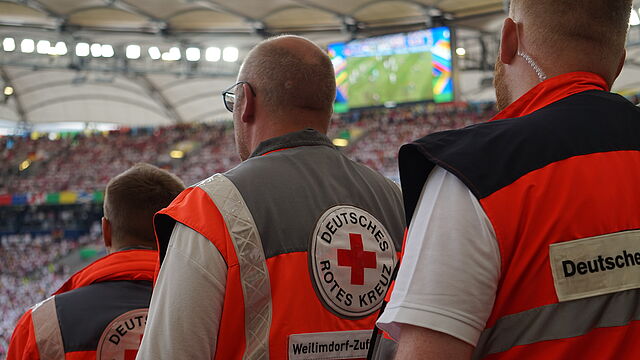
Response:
column 133, row 197
column 290, row 74
column 582, row 33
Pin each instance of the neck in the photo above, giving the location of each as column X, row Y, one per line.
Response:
column 277, row 126
column 127, row 244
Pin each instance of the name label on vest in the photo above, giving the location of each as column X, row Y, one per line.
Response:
column 330, row 345
column 596, row 265
column 121, row 338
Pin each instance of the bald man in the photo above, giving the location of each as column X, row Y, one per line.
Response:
column 289, row 254
column 523, row 240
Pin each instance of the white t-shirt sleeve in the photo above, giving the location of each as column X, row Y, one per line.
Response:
column 186, row 304
column 449, row 274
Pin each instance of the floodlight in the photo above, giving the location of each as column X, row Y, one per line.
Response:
column 172, row 55
column 192, row 54
column 634, row 19
column 461, row 51
column 59, row 49
column 133, row 52
column 154, row 53
column 230, row 54
column 212, row 54
column 43, row 47
column 107, row 50
column 96, row 50
column 8, row 44
column 82, row 49
column 27, row 46
column 8, row 90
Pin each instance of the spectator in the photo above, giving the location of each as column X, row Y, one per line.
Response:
column 85, row 317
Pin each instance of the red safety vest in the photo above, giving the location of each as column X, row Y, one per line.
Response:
column 46, row 331
column 558, row 179
column 294, row 305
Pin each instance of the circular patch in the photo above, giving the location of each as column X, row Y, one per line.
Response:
column 352, row 257
column 121, row 339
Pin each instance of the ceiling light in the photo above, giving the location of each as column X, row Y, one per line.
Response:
column 192, row 54
column 461, row 51
column 212, row 54
column 24, row 165
column 96, row 50
column 176, row 154
column 9, row 44
column 133, row 52
column 154, row 53
column 43, row 47
column 59, row 49
column 634, row 19
column 230, row 54
column 172, row 55
column 82, row 49
column 8, row 90
column 107, row 50
column 340, row 142
column 27, row 46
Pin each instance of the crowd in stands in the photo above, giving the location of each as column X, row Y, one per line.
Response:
column 34, row 238
column 86, row 162
column 30, row 272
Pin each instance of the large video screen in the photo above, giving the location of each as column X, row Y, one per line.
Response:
column 391, row 69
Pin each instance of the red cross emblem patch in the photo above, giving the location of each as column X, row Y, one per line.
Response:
column 352, row 257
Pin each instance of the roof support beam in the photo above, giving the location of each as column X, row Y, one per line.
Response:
column 22, row 115
column 155, row 93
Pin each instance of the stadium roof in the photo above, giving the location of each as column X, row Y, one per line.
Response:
column 71, row 89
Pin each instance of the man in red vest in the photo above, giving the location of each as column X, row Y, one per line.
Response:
column 523, row 239
column 288, row 255
column 101, row 311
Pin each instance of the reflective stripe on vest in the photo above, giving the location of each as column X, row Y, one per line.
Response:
column 254, row 274
column 47, row 330
column 559, row 321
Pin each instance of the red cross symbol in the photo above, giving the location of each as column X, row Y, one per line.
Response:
column 357, row 259
column 131, row 354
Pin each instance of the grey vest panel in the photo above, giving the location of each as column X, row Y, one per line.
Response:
column 85, row 312
column 288, row 190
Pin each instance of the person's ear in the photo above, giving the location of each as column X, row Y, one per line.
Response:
column 509, row 41
column 248, row 104
column 106, row 233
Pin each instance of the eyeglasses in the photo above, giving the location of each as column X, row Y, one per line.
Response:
column 229, row 95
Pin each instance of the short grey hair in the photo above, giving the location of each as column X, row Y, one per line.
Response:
column 287, row 79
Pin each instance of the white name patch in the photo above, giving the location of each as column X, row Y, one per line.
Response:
column 330, row 345
column 596, row 265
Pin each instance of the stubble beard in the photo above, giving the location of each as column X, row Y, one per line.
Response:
column 503, row 95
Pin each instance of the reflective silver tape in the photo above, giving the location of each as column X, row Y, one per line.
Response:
column 47, row 330
column 254, row 274
column 560, row 321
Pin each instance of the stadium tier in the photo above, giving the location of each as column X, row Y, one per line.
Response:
column 75, row 167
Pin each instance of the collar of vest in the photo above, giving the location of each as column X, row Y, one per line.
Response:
column 120, row 265
column 307, row 137
column 552, row 90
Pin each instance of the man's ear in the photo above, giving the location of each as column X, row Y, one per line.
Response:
column 509, row 41
column 248, row 104
column 106, row 232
